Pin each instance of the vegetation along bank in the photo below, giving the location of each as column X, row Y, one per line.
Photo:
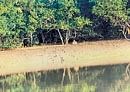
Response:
column 33, row 22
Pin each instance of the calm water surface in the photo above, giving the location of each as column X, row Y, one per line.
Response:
column 87, row 79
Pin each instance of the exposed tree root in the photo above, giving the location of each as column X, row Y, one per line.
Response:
column 45, row 78
column 76, row 69
column 63, row 76
column 34, row 79
column 3, row 85
column 127, row 72
column 68, row 71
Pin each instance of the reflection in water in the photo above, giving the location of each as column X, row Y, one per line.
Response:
column 90, row 79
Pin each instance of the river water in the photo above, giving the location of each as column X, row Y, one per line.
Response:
column 87, row 79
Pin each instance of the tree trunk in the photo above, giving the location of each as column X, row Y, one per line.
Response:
column 61, row 37
column 31, row 38
column 67, row 37
column 0, row 41
column 125, row 31
column 43, row 38
column 75, row 34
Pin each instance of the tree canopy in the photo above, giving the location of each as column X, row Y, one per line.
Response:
column 95, row 17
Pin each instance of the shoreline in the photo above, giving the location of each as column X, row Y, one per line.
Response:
column 44, row 58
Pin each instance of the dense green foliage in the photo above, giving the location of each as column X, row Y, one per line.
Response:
column 95, row 18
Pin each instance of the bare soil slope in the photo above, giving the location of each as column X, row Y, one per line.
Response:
column 56, row 56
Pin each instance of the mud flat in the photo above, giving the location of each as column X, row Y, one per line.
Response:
column 43, row 58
